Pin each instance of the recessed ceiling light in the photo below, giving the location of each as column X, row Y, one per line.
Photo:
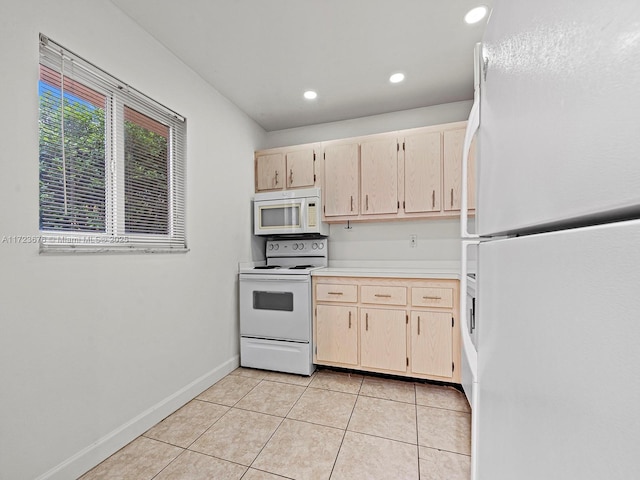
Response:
column 476, row 14
column 396, row 77
column 310, row 94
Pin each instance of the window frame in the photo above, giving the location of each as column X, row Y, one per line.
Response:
column 118, row 95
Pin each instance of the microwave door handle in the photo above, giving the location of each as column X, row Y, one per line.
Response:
column 304, row 209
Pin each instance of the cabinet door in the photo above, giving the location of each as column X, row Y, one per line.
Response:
column 422, row 173
column 379, row 177
column 432, row 343
column 270, row 172
column 341, row 186
column 300, row 169
column 383, row 339
column 337, row 334
column 453, row 144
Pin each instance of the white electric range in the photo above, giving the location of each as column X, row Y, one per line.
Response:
column 276, row 303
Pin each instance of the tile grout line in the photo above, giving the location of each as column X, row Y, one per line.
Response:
column 345, row 429
column 185, row 449
column 415, row 393
column 167, row 465
column 276, row 429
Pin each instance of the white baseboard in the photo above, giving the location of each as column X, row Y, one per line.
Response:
column 93, row 454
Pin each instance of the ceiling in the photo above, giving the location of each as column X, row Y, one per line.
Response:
column 263, row 54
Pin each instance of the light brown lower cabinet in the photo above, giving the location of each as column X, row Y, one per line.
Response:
column 337, row 334
column 432, row 343
column 406, row 327
column 383, row 339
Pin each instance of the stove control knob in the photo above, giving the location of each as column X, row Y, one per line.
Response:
column 271, row 246
column 314, row 246
column 295, row 246
column 321, row 245
column 276, row 246
column 301, row 246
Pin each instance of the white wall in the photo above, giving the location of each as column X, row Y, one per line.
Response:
column 387, row 122
column 95, row 349
column 385, row 242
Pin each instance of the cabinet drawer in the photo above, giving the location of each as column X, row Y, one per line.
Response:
column 336, row 293
column 384, row 295
column 432, row 297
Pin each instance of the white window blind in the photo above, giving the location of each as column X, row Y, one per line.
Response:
column 112, row 162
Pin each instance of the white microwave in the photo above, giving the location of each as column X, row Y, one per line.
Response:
column 289, row 212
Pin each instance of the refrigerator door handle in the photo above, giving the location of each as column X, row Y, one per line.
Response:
column 472, row 127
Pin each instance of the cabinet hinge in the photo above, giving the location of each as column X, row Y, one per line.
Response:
column 452, row 322
column 407, row 361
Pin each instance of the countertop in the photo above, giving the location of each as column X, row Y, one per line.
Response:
column 434, row 270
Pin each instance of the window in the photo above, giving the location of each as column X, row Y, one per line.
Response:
column 112, row 162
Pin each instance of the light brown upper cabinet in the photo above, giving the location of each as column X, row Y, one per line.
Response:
column 379, row 176
column 405, row 174
column 285, row 168
column 453, row 146
column 452, row 180
column 300, row 171
column 341, row 189
column 422, row 172
column 270, row 172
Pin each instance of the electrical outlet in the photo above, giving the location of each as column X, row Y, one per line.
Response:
column 413, row 241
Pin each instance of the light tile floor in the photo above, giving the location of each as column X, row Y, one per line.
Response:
column 259, row 425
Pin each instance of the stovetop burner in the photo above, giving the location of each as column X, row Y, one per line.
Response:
column 266, row 267
column 301, row 267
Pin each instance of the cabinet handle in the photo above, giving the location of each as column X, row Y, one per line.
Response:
column 418, row 324
column 433, row 199
column 276, row 177
column 366, row 201
column 427, row 297
column 366, row 321
column 334, row 293
column 291, row 177
column 352, row 203
column 349, row 319
column 382, row 295
column 452, row 197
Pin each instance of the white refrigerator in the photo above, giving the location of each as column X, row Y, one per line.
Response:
column 557, row 392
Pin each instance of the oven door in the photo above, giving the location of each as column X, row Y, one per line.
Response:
column 275, row 306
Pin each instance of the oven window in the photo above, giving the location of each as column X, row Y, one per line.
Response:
column 273, row 301
column 280, row 216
